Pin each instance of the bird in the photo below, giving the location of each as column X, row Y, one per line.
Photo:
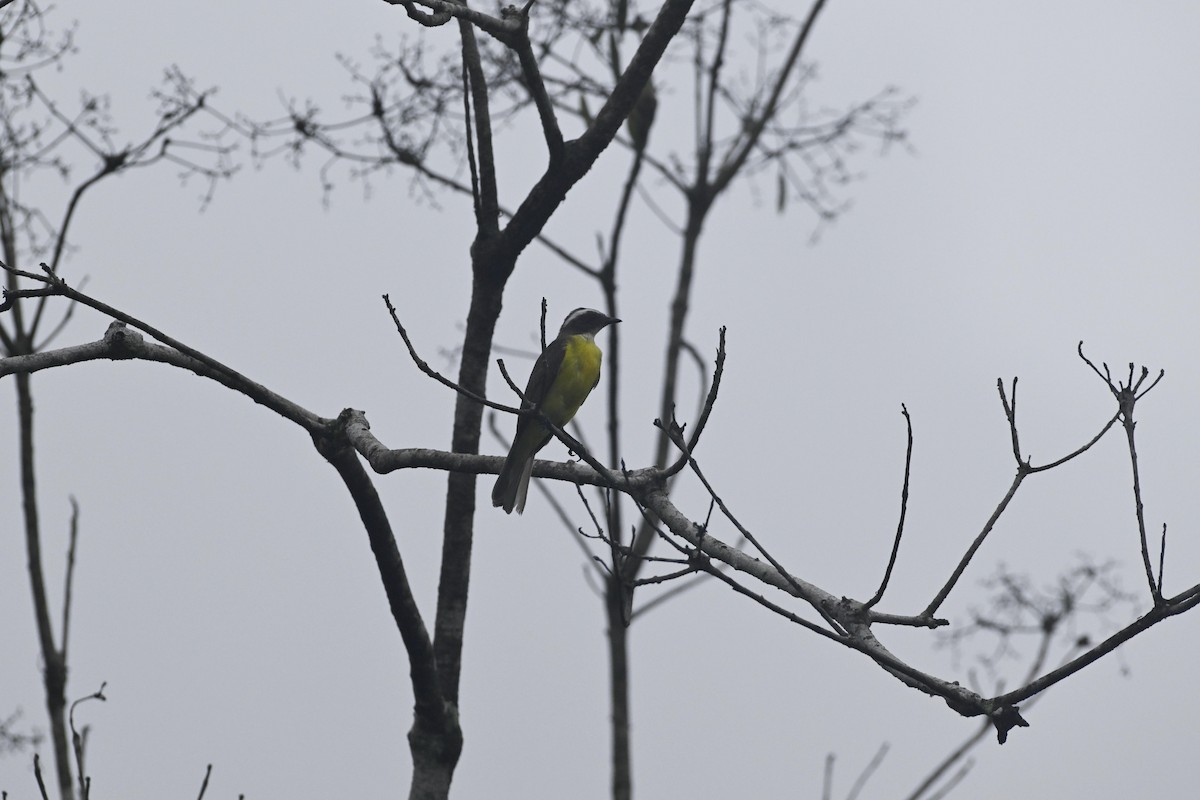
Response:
column 562, row 378
column 641, row 117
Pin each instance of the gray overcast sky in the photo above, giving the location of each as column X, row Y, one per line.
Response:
column 227, row 595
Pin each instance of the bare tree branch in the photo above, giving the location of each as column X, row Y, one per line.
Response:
column 69, row 581
column 887, row 573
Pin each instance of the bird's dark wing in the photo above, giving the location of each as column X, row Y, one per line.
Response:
column 541, row 379
column 544, row 371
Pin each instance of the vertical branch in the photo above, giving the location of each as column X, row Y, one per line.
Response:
column 542, row 325
column 487, row 212
column 608, row 284
column 70, row 578
column 1127, row 421
column 458, row 526
column 1127, row 394
column 707, row 132
column 37, row 774
column 1162, row 554
column 204, row 783
column 618, row 660
column 698, row 92
column 13, row 342
column 60, row 240
column 54, row 669
column 472, row 163
column 436, row 754
column 697, row 211
column 1010, row 413
column 887, row 573
column 617, row 599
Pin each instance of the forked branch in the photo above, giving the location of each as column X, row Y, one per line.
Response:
column 1127, row 394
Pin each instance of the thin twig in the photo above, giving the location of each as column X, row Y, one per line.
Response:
column 669, row 594
column 708, row 130
column 705, row 411
column 1010, row 413
column 1155, row 594
column 69, row 580
column 949, row 761
column 701, row 373
column 487, row 207
column 887, row 573
column 944, row 592
column 954, row 780
column 79, row 741
column 204, row 784
column 666, row 577
column 861, row 781
column 1162, row 554
column 1080, row 451
column 37, row 774
column 711, row 400
column 542, row 323
column 467, row 128
column 437, row 376
column 779, row 609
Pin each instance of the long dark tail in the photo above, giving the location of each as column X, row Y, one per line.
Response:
column 513, row 483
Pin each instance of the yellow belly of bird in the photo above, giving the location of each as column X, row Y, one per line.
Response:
column 577, row 376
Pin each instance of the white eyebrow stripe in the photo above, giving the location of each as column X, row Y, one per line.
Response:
column 575, row 315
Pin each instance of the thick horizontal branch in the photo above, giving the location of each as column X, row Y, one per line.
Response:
column 504, row 29
column 120, row 343
column 384, row 460
column 124, row 344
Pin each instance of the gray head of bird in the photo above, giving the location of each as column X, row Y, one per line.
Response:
column 586, row 322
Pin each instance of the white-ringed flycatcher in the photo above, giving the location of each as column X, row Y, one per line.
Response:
column 562, row 378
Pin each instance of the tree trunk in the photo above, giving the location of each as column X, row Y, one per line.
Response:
column 54, row 675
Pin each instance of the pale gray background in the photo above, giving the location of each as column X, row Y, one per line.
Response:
column 226, row 591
